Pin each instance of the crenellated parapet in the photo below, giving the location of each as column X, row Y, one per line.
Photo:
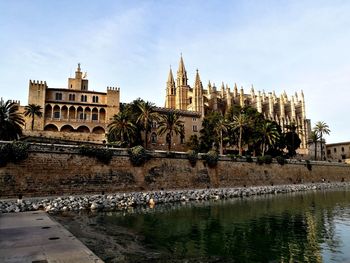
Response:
column 37, row 83
column 15, row 102
column 113, row 89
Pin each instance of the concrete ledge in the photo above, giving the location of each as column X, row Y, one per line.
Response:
column 35, row 237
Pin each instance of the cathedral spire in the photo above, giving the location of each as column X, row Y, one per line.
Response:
column 181, row 73
column 170, row 77
column 170, row 91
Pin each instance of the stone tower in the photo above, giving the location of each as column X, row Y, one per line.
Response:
column 198, row 95
column 170, row 91
column 79, row 82
column 37, row 96
column 113, row 101
column 181, row 87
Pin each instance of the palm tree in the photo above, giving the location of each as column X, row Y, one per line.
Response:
column 121, row 127
column 11, row 121
column 170, row 123
column 314, row 137
column 239, row 122
column 292, row 139
column 220, row 127
column 33, row 110
column 269, row 135
column 146, row 117
column 321, row 128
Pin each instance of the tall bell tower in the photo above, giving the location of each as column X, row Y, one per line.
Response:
column 181, row 87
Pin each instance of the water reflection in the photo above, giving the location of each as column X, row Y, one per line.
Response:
column 307, row 227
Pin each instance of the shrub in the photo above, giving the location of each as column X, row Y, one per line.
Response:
column 268, row 159
column 232, row 156
column 211, row 158
column 260, row 160
column 101, row 154
column 308, row 165
column 138, row 155
column 249, row 159
column 192, row 157
column 280, row 160
column 14, row 152
column 19, row 151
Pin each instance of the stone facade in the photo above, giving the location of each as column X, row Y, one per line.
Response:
column 72, row 111
column 282, row 109
column 338, row 151
column 57, row 170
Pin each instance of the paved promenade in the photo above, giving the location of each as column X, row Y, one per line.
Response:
column 34, row 237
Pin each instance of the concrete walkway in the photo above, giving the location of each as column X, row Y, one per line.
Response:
column 34, row 237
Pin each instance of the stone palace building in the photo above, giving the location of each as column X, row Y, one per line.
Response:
column 74, row 112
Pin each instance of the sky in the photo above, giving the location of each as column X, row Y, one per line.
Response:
column 274, row 45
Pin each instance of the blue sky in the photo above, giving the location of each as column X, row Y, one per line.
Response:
column 274, row 45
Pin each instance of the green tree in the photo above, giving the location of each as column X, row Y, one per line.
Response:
column 170, row 123
column 33, row 110
column 292, row 139
column 239, row 122
column 220, row 128
column 146, row 116
column 11, row 121
column 121, row 128
column 193, row 143
column 207, row 137
column 314, row 137
column 269, row 135
column 321, row 128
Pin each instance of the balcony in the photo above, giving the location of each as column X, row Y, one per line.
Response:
column 71, row 120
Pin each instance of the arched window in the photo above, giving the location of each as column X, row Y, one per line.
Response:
column 58, row 96
column 83, row 98
column 154, row 138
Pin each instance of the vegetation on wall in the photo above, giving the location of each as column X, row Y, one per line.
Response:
column 308, row 165
column 138, row 155
column 192, row 157
column 211, row 158
column 103, row 155
column 14, row 152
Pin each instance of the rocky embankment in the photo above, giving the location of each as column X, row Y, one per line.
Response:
column 119, row 201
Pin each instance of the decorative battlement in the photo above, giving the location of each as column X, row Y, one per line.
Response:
column 15, row 101
column 113, row 88
column 38, row 83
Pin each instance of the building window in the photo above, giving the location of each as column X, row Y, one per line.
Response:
column 95, row 99
column 56, row 114
column 94, row 117
column 82, row 116
column 328, row 151
column 83, row 98
column 335, row 150
column 154, row 125
column 72, row 97
column 194, row 128
column 194, row 119
column 154, row 138
column 71, row 86
column 342, row 149
column 58, row 96
column 84, row 87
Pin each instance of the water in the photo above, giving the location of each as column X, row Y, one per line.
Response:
column 301, row 227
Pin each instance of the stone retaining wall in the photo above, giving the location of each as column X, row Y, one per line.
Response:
column 58, row 170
